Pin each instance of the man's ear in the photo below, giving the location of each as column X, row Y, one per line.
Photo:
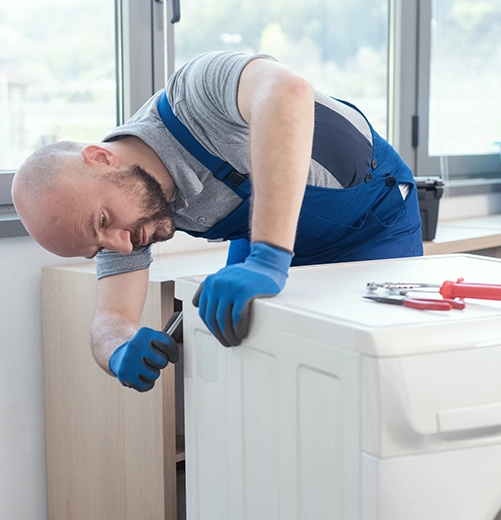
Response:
column 94, row 154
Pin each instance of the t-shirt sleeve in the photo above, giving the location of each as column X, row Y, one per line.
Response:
column 203, row 92
column 109, row 263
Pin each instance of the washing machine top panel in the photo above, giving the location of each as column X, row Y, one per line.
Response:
column 326, row 304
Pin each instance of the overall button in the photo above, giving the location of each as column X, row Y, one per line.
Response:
column 201, row 220
column 368, row 177
column 390, row 181
column 374, row 164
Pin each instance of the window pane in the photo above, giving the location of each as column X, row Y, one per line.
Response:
column 57, row 74
column 339, row 51
column 465, row 85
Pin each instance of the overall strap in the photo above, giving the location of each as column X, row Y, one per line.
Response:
column 351, row 105
column 238, row 182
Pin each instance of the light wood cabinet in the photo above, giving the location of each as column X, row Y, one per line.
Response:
column 111, row 451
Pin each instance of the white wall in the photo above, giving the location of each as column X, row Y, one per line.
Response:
column 22, row 431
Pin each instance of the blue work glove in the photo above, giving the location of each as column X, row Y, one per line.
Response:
column 238, row 251
column 137, row 362
column 224, row 298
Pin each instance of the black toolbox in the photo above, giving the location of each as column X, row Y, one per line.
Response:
column 430, row 189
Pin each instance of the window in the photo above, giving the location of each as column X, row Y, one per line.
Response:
column 57, row 81
column 66, row 70
column 339, row 51
column 424, row 71
column 460, row 108
column 408, row 64
column 57, row 74
column 465, row 105
column 443, row 69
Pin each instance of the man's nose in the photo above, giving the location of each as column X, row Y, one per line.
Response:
column 117, row 240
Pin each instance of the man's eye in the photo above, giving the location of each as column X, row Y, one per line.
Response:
column 103, row 220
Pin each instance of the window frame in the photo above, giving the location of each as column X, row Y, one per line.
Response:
column 10, row 225
column 409, row 118
column 140, row 49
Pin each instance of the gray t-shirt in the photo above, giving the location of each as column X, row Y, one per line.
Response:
column 203, row 95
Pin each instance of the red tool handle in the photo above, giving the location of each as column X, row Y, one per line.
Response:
column 427, row 305
column 480, row 291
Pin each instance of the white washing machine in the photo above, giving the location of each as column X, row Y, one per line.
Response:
column 336, row 407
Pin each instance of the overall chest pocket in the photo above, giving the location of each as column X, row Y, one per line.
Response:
column 386, row 214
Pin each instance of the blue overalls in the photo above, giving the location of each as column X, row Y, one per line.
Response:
column 368, row 221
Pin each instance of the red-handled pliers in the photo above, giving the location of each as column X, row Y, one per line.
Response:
column 424, row 304
column 448, row 289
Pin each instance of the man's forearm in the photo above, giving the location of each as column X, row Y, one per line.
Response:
column 120, row 301
column 281, row 118
column 281, row 154
column 108, row 332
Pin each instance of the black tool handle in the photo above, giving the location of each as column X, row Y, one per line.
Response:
column 174, row 326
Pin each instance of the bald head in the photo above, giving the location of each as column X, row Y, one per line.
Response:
column 43, row 169
column 75, row 199
column 37, row 181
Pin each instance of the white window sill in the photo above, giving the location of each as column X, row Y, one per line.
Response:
column 10, row 225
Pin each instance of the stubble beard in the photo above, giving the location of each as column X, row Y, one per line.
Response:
column 152, row 203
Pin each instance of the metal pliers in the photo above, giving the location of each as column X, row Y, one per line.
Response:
column 424, row 304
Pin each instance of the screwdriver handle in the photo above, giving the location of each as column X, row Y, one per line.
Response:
column 480, row 291
column 174, row 326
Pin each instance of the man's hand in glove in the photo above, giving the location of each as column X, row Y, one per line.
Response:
column 137, row 362
column 224, row 298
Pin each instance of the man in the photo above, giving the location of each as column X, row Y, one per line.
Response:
column 324, row 188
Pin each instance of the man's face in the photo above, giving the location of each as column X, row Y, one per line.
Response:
column 120, row 211
column 156, row 224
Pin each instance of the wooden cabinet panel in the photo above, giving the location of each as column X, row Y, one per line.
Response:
column 111, row 451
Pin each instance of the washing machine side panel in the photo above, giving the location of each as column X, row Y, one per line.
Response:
column 325, row 414
column 371, row 405
column 272, row 427
column 260, row 414
column 206, row 405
